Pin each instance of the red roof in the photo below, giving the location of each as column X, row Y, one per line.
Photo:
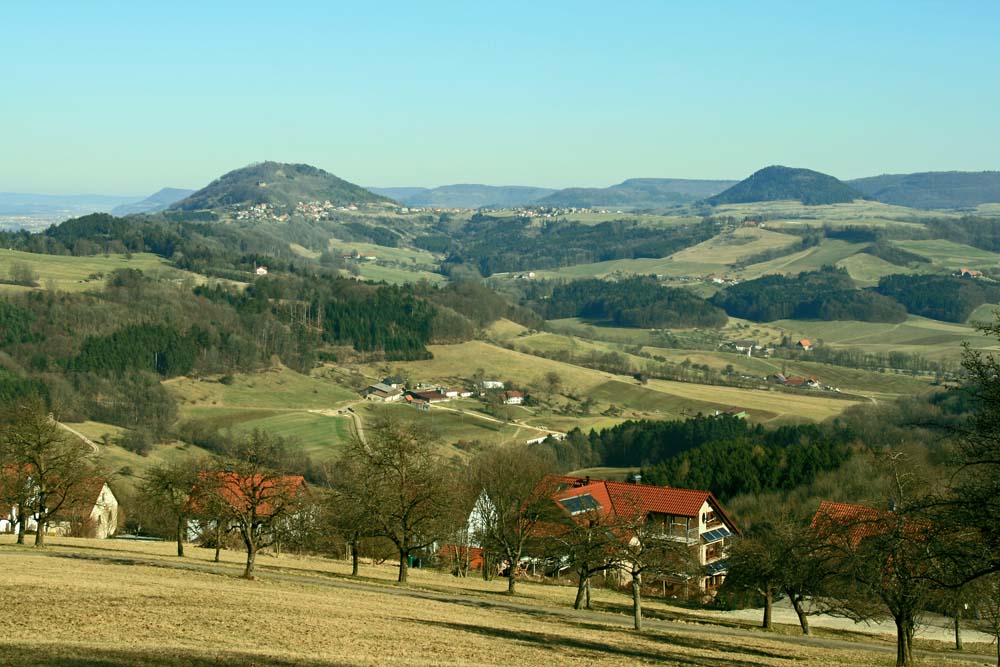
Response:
column 242, row 492
column 860, row 521
column 626, row 499
column 429, row 395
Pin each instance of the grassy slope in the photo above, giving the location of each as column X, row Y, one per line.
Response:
column 714, row 255
column 72, row 274
column 670, row 399
column 306, row 611
column 917, row 335
column 829, row 251
column 950, row 255
column 278, row 400
column 868, row 269
column 393, row 265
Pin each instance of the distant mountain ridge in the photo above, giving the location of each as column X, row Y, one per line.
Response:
column 778, row 183
column 158, row 201
column 25, row 203
column 277, row 184
column 467, row 195
column 638, row 193
column 933, row 189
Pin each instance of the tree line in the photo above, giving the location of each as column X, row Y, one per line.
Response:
column 826, row 294
column 638, row 301
column 493, row 244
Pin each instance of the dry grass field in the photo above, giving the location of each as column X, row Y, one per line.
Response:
column 118, row 604
column 74, row 274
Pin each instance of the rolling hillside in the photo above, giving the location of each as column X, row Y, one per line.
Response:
column 933, row 189
column 778, row 183
column 276, row 184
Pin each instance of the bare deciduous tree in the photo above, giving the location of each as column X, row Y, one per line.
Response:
column 403, row 488
column 515, row 496
column 253, row 494
column 170, row 488
column 45, row 460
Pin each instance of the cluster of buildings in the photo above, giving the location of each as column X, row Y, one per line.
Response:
column 320, row 210
column 262, row 212
column 422, row 396
column 358, row 256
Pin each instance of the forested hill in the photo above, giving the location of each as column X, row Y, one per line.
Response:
column 779, row 183
column 277, row 184
column 637, row 193
column 827, row 294
column 634, row 302
column 934, row 189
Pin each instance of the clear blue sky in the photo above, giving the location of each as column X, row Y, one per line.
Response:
column 125, row 97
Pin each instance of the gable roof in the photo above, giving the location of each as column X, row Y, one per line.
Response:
column 626, row 500
column 859, row 521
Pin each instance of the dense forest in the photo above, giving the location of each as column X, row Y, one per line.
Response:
column 493, row 244
column 947, row 298
column 722, row 453
column 734, row 457
column 827, row 294
column 634, row 302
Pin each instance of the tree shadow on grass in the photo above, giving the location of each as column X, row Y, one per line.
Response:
column 63, row 655
column 555, row 642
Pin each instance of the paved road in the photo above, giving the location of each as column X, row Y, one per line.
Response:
column 333, row 581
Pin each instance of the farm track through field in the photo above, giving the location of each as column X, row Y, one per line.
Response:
column 680, row 630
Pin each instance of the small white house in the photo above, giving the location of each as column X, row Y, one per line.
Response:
column 93, row 512
column 260, row 271
column 513, row 398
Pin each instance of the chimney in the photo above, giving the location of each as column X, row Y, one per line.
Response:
column 635, row 478
column 587, row 482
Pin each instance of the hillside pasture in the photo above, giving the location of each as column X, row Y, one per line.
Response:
column 462, row 361
column 867, row 270
column 275, row 388
column 730, row 247
column 917, row 335
column 307, row 611
column 950, row 255
column 856, row 213
column 828, row 252
column 452, row 423
column 76, row 274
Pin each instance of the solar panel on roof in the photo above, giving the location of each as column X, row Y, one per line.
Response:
column 716, row 535
column 581, row 503
column 716, row 567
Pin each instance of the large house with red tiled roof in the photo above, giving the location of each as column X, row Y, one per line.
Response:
column 696, row 518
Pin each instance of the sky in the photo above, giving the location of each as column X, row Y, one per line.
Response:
column 128, row 97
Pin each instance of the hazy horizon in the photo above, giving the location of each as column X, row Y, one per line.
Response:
column 131, row 99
